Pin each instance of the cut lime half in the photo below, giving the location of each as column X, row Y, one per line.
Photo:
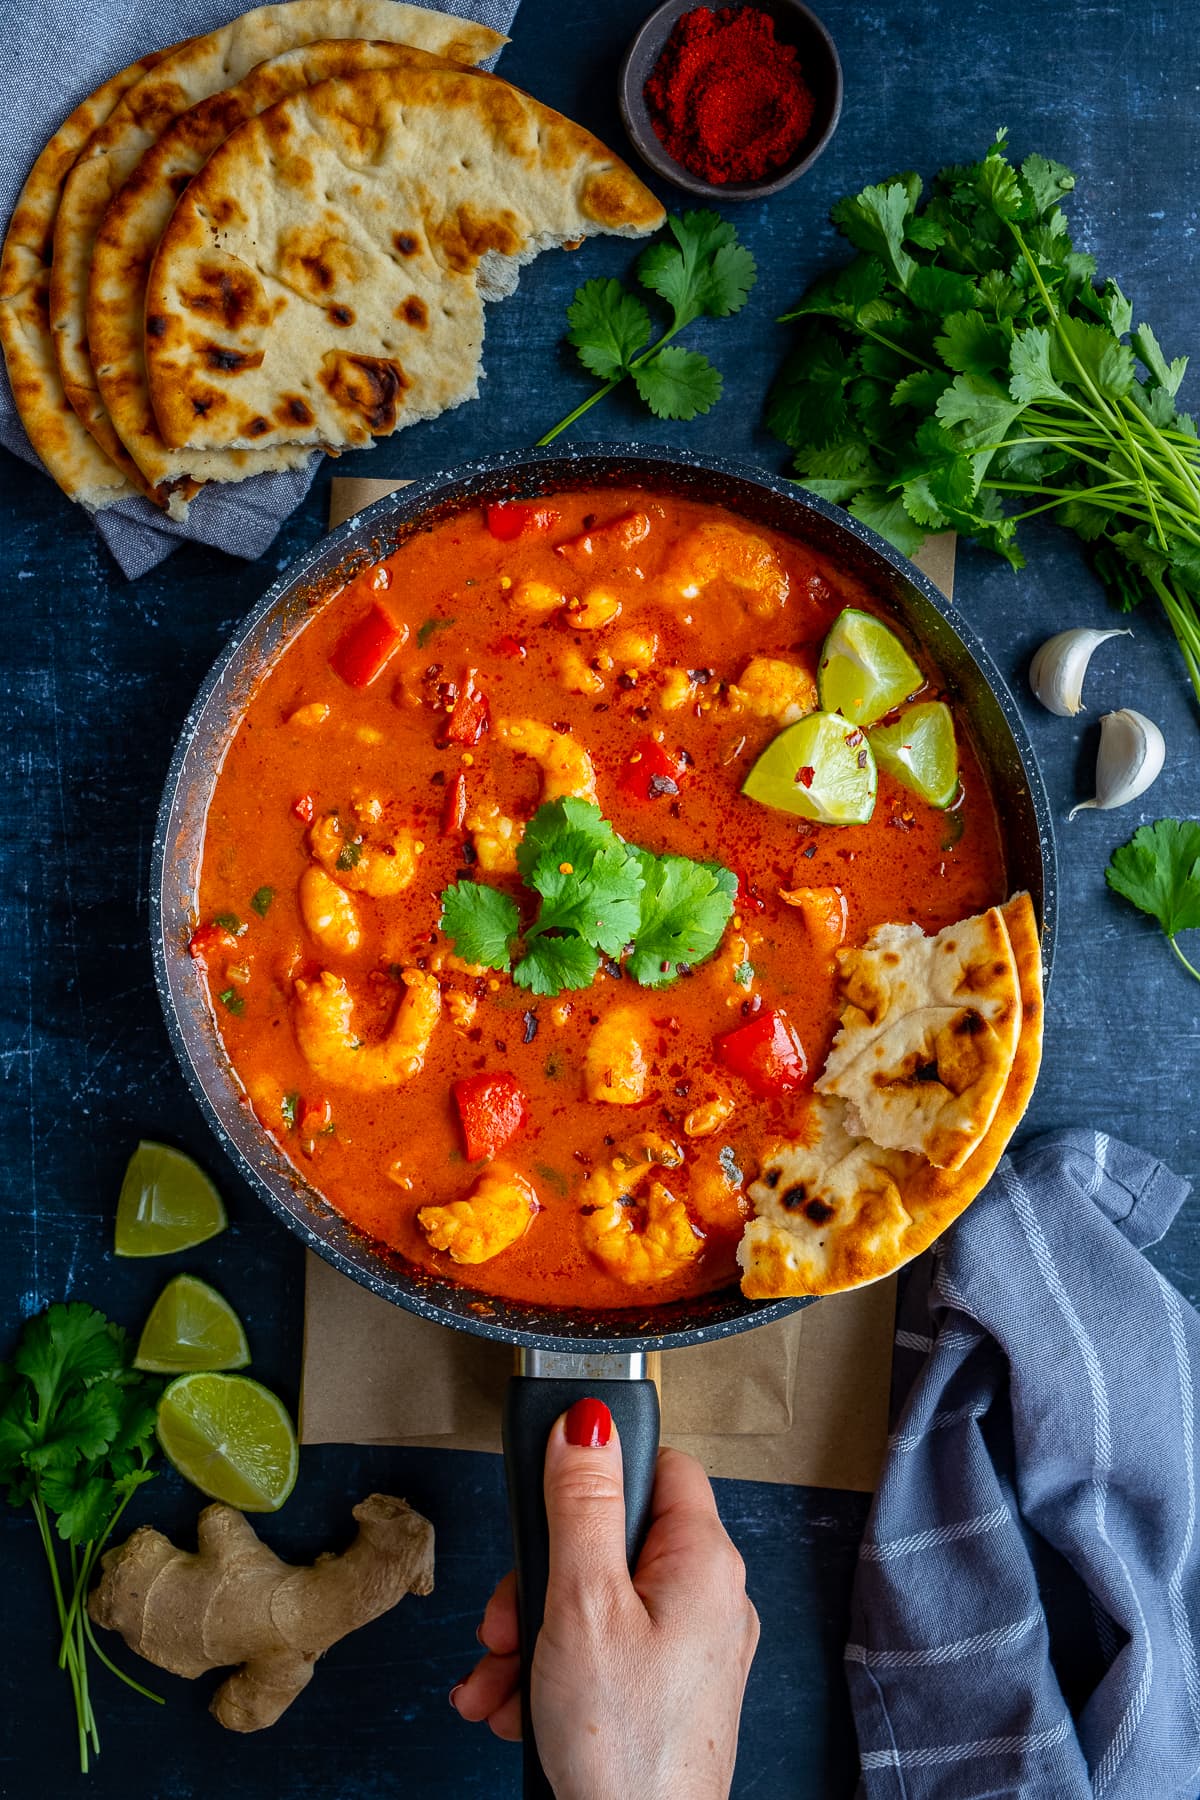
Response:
column 166, row 1203
column 865, row 670
column 191, row 1326
column 919, row 750
column 820, row 767
column 230, row 1437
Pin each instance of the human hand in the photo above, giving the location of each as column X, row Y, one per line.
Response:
column 637, row 1681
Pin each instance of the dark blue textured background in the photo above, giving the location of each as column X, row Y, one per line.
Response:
column 98, row 674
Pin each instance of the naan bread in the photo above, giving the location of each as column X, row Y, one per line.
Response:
column 833, row 1210
column 322, row 279
column 79, row 466
column 929, row 1030
column 129, row 236
column 201, row 67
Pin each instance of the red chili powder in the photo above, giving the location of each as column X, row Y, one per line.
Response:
column 726, row 98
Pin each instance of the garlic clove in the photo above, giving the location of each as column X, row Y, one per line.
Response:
column 1058, row 668
column 1131, row 756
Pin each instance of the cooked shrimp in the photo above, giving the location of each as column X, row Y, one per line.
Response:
column 379, row 863
column 638, row 1242
column 323, row 1015
column 710, row 1114
column 719, row 552
column 823, row 910
column 328, row 912
column 566, row 766
column 495, row 837
column 774, row 689
column 497, row 1211
column 615, row 1068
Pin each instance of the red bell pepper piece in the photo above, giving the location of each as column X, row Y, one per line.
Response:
column 304, row 808
column 363, row 651
column 766, row 1053
column 491, row 1109
column 207, row 940
column 454, row 807
column 616, row 537
column 651, row 772
column 468, row 721
column 510, row 519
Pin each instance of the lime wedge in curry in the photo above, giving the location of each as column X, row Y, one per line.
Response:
column 865, row 670
column 821, row 768
column 191, row 1326
column 230, row 1437
column 919, row 750
column 167, row 1203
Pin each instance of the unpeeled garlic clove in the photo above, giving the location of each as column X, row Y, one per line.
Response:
column 1130, row 758
column 1058, row 668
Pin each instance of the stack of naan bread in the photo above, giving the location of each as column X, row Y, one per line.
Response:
column 932, row 1067
column 279, row 237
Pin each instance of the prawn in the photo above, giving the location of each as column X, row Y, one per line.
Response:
column 566, row 772
column 323, row 1014
column 380, row 866
column 639, row 1243
column 497, row 1211
column 328, row 912
column 717, row 552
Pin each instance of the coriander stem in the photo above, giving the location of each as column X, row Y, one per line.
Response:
column 120, row 1674
column 1183, row 959
column 585, row 406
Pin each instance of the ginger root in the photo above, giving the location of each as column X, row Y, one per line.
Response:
column 235, row 1601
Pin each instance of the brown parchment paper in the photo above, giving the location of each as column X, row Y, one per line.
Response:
column 803, row 1401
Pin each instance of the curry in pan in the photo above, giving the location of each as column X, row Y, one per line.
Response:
column 599, row 888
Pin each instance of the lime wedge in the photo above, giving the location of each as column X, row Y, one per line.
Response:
column 865, row 670
column 167, row 1203
column 820, row 767
column 919, row 750
column 191, row 1326
column 230, row 1437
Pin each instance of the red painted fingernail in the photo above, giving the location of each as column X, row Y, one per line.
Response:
column 457, row 1688
column 588, row 1424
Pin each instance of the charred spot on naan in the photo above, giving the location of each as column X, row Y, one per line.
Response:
column 616, row 200
column 229, row 291
column 315, row 259
column 340, row 315
column 225, row 361
column 371, row 387
column 462, row 240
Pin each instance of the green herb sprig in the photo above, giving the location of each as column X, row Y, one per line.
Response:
column 1158, row 871
column 965, row 371
column 704, row 273
column 76, row 1438
column 597, row 897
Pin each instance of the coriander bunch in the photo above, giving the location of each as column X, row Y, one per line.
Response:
column 705, row 272
column 966, row 371
column 76, row 1436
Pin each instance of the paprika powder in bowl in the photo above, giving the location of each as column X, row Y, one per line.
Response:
column 731, row 102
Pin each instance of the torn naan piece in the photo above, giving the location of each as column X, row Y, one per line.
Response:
column 71, row 456
column 322, row 278
column 129, row 237
column 928, row 1035
column 186, row 75
column 834, row 1211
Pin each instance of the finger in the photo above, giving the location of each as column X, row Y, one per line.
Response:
column 686, row 1542
column 585, row 1507
column 499, row 1630
column 506, row 1720
column 493, row 1681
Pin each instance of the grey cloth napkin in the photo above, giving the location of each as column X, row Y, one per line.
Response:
column 1026, row 1613
column 63, row 50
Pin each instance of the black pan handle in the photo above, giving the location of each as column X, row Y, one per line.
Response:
column 531, row 1405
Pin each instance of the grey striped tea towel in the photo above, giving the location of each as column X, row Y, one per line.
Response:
column 1026, row 1610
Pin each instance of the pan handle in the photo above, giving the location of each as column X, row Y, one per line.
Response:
column 551, row 1382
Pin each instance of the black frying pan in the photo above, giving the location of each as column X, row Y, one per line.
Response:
column 564, row 1352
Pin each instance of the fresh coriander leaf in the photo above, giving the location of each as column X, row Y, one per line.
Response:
column 1115, row 309
column 1159, row 871
column 83, row 1426
column 998, row 184
column 84, row 1504
column 678, row 383
column 706, row 270
column 922, row 389
column 551, row 964
column 349, row 855
column 839, row 471
column 594, row 893
column 546, row 832
column 853, row 294
column 481, row 922
column 981, row 407
column 971, row 345
column 261, row 900
column 1109, row 364
column 744, row 974
column 426, row 631
column 685, row 908
column 875, row 221
column 886, row 514
column 1047, row 182
column 67, row 1343
column 288, row 1109
column 1030, row 374
column 808, row 403
column 232, row 1001
column 1168, row 376
column 608, row 326
column 231, row 923
column 940, row 291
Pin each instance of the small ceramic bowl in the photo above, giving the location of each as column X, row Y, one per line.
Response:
column 794, row 24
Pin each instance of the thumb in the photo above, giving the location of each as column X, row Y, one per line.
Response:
column 585, row 1507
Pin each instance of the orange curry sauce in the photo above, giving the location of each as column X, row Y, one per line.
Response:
column 311, row 745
